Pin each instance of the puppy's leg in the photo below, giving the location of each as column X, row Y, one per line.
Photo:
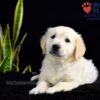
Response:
column 63, row 86
column 41, row 87
column 34, row 77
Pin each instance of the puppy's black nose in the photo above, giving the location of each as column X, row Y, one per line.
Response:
column 55, row 47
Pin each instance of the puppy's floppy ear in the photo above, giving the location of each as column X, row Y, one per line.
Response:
column 80, row 47
column 43, row 44
column 43, row 40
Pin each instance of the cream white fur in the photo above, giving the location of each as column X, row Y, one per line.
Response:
column 66, row 72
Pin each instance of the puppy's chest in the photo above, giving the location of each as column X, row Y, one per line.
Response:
column 57, row 75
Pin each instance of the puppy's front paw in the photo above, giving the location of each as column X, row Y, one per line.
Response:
column 37, row 90
column 51, row 90
column 34, row 91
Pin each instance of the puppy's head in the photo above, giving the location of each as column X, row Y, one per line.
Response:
column 62, row 42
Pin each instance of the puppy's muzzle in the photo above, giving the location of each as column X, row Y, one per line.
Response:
column 55, row 50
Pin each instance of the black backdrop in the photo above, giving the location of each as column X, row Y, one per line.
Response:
column 41, row 14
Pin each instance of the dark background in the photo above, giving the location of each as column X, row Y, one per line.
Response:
column 41, row 14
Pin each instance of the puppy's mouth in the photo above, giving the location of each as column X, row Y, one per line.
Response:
column 55, row 53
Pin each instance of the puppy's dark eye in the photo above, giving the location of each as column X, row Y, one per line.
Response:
column 67, row 40
column 53, row 36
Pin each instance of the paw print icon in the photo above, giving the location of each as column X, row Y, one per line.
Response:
column 87, row 7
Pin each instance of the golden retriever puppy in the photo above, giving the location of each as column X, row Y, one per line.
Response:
column 64, row 68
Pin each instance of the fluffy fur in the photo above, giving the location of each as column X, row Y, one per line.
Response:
column 64, row 68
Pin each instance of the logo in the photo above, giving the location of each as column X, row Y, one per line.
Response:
column 90, row 10
column 87, row 7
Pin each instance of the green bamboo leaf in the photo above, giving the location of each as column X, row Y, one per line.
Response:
column 7, row 42
column 16, row 68
column 1, row 35
column 0, row 52
column 1, row 42
column 2, row 64
column 18, row 17
column 30, row 68
column 7, row 50
column 27, row 69
column 17, row 51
